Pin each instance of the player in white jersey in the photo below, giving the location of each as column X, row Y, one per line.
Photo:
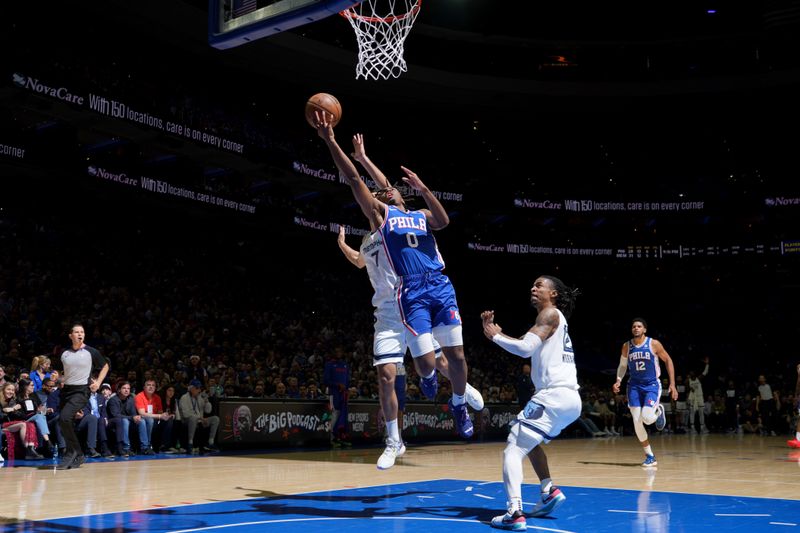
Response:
column 389, row 343
column 554, row 406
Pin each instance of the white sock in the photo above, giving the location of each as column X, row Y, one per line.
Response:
column 514, row 504
column 458, row 399
column 547, row 483
column 797, row 435
column 433, row 373
column 391, row 429
column 648, row 450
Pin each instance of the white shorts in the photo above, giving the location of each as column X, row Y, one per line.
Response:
column 446, row 336
column 390, row 341
column 545, row 416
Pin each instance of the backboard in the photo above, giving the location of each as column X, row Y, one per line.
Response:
column 233, row 23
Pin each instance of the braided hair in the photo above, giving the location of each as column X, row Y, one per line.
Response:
column 565, row 300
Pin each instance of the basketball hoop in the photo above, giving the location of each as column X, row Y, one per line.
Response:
column 381, row 28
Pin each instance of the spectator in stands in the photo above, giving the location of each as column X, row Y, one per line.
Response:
column 2, row 377
column 195, row 370
column 33, row 410
column 27, row 430
column 122, row 413
column 170, row 405
column 696, row 399
column 731, row 407
column 85, row 421
column 608, row 417
column 148, row 405
column 280, row 391
column 40, row 370
column 98, row 407
column 766, row 405
column 194, row 409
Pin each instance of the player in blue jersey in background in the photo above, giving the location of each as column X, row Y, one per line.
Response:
column 640, row 355
column 424, row 294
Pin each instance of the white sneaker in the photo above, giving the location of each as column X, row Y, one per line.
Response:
column 1, row 458
column 474, row 398
column 393, row 450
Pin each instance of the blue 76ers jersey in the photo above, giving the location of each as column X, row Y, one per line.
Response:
column 410, row 246
column 642, row 363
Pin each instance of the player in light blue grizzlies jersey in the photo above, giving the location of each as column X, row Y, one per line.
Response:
column 640, row 356
column 555, row 405
column 426, row 297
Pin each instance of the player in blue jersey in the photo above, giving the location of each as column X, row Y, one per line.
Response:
column 425, row 296
column 640, row 355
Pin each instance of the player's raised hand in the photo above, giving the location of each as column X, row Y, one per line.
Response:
column 490, row 329
column 413, row 180
column 340, row 238
column 359, row 153
column 324, row 126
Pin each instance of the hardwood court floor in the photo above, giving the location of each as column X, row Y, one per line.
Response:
column 714, row 464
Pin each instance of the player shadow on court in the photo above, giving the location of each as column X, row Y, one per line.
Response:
column 639, row 465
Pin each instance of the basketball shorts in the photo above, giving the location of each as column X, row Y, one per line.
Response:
column 390, row 340
column 644, row 394
column 426, row 301
column 545, row 416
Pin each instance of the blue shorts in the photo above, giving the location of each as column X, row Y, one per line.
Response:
column 426, row 301
column 400, row 390
column 644, row 394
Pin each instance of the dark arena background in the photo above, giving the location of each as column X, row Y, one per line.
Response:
column 170, row 196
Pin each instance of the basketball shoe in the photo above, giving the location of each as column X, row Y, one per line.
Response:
column 463, row 423
column 394, row 449
column 550, row 502
column 650, row 460
column 474, row 398
column 429, row 386
column 661, row 421
column 510, row 522
column 794, row 443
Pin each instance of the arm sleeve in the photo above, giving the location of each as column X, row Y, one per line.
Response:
column 622, row 368
column 705, row 370
column 525, row 347
column 98, row 361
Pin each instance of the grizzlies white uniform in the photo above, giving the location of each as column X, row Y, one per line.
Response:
column 556, row 403
column 389, row 343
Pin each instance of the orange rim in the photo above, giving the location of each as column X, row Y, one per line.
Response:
column 350, row 13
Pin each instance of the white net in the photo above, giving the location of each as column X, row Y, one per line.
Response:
column 381, row 28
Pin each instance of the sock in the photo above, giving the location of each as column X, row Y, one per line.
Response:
column 458, row 399
column 433, row 373
column 547, row 483
column 514, row 504
column 392, row 430
column 797, row 435
column 648, row 450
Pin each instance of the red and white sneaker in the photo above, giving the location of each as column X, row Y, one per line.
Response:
column 794, row 443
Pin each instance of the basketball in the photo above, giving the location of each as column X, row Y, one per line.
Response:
column 324, row 103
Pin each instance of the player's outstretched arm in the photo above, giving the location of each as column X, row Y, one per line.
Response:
column 436, row 215
column 354, row 256
column 360, row 154
column 527, row 346
column 369, row 205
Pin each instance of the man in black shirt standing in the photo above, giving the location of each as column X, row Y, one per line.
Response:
column 78, row 361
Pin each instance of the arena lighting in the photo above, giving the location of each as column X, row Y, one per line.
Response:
column 711, row 11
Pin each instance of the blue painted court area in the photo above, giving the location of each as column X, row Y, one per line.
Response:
column 442, row 506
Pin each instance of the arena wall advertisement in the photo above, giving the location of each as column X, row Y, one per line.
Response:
column 249, row 422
